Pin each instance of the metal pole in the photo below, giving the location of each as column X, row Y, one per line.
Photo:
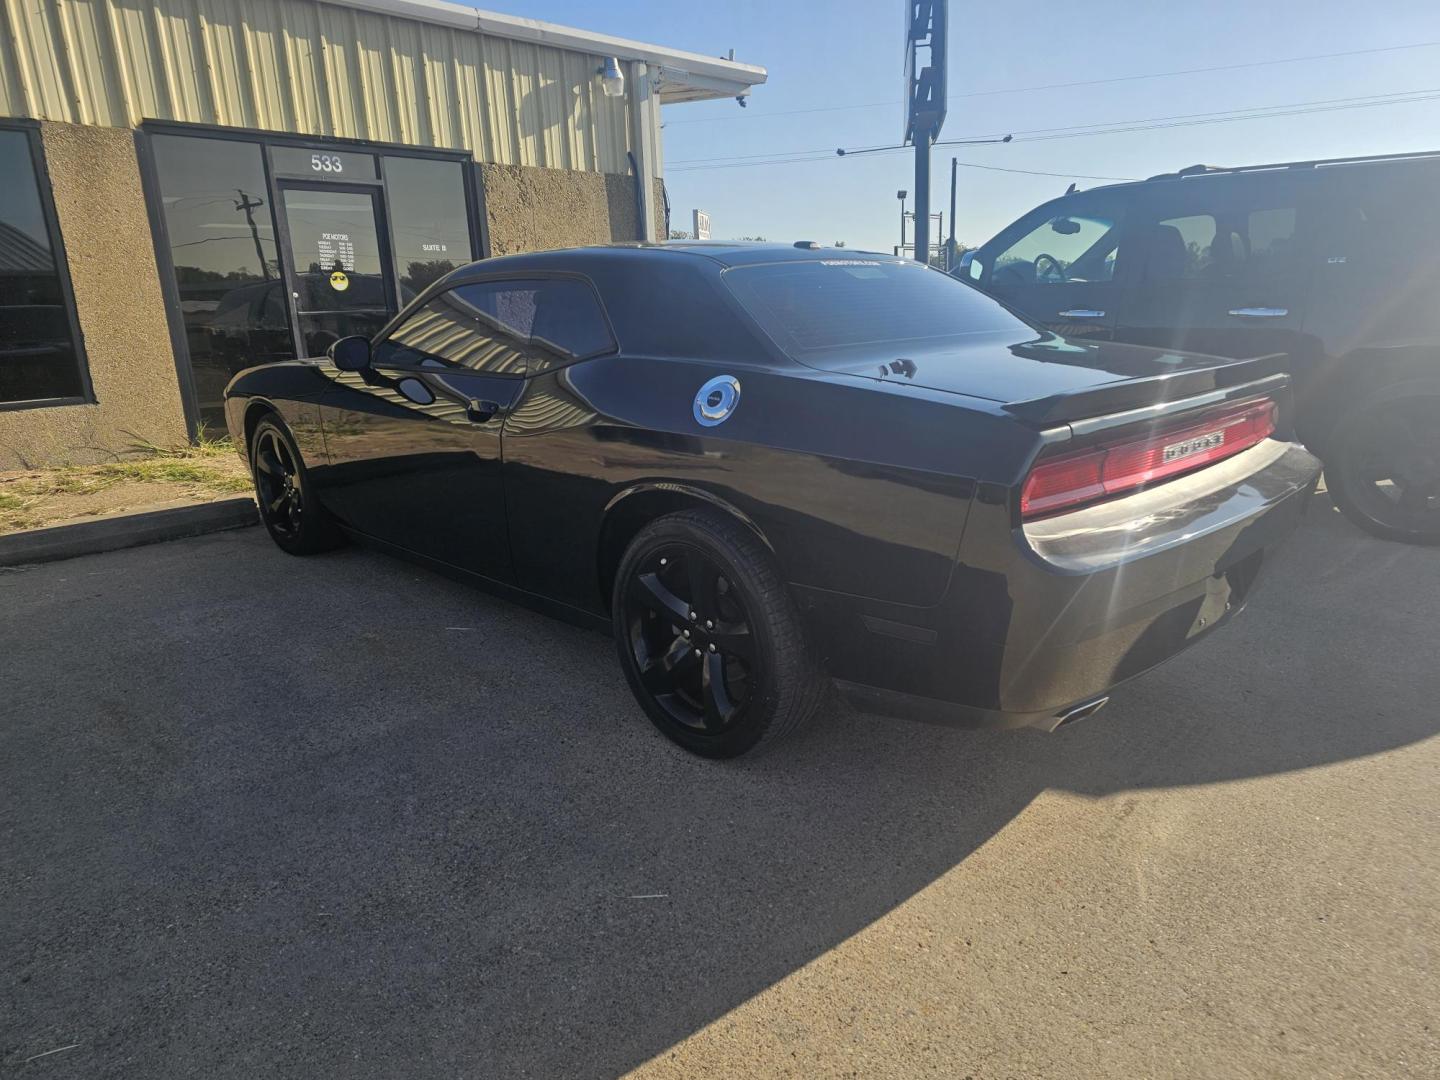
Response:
column 922, row 196
column 901, row 249
column 247, row 204
column 950, row 251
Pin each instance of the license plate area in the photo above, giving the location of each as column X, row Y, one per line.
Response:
column 1198, row 444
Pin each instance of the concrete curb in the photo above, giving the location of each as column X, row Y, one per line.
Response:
column 126, row 530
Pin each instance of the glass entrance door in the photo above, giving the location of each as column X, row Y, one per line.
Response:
column 340, row 271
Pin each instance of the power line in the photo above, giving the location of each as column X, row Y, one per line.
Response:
column 1037, row 172
column 748, row 115
column 1033, row 134
column 1156, row 123
column 962, row 164
column 1255, row 113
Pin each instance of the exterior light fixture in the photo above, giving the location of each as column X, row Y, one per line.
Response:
column 612, row 78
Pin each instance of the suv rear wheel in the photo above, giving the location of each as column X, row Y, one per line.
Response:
column 1384, row 469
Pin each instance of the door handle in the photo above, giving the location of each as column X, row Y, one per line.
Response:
column 1081, row 313
column 481, row 411
column 1259, row 312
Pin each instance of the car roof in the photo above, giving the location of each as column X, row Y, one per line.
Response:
column 715, row 253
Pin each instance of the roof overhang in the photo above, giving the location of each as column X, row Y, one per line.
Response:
column 682, row 76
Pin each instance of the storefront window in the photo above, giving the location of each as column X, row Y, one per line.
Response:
column 39, row 357
column 318, row 250
column 428, row 220
column 222, row 244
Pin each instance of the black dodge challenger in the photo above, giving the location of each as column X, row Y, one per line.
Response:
column 768, row 468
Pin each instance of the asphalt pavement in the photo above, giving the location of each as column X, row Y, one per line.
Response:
column 340, row 817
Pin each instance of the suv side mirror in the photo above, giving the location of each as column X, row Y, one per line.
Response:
column 350, row 353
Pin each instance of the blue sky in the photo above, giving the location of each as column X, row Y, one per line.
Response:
column 848, row 52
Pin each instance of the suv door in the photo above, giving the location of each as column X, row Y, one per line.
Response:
column 1061, row 265
column 1377, row 274
column 1222, row 264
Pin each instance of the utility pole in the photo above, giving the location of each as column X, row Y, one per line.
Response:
column 248, row 205
column 925, row 101
column 950, row 250
column 922, row 197
column 901, row 196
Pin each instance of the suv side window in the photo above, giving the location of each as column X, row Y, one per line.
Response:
column 501, row 328
column 1077, row 246
column 1242, row 244
column 1196, row 234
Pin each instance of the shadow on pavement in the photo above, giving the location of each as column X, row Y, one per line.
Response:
column 381, row 825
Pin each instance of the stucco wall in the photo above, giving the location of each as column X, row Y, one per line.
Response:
column 101, row 209
column 536, row 209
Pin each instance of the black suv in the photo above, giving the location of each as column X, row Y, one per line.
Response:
column 1335, row 264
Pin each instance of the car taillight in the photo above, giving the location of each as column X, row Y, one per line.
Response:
column 1070, row 480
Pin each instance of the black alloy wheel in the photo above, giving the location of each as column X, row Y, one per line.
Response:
column 1386, row 476
column 708, row 638
column 282, row 492
column 691, row 638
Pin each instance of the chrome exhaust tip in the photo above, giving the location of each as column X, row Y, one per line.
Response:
column 1080, row 712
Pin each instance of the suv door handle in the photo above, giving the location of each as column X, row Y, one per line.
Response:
column 1259, row 312
column 482, row 411
column 1081, row 313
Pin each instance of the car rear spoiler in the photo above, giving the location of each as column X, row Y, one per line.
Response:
column 1260, row 374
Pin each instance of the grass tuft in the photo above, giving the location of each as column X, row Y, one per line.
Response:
column 206, row 469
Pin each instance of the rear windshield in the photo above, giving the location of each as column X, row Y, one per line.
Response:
column 827, row 305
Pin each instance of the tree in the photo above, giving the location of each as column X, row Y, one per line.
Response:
column 420, row 274
column 757, row 239
column 839, row 243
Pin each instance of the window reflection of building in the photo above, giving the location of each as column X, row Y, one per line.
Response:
column 227, row 270
column 232, row 284
column 451, row 332
column 39, row 359
column 428, row 217
column 549, row 404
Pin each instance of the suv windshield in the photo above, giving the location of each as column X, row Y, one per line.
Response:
column 854, row 304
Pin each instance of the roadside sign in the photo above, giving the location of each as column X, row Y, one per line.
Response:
column 925, row 27
column 701, row 221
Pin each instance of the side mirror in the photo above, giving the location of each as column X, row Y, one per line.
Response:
column 1065, row 227
column 350, row 353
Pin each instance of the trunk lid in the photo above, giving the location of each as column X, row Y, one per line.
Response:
column 1048, row 380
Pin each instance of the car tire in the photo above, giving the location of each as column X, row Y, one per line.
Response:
column 288, row 508
column 1383, row 468
column 709, row 639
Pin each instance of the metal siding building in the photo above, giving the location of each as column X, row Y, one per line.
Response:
column 310, row 68
column 551, row 160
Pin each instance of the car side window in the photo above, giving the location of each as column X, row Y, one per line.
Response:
column 1240, row 244
column 1069, row 247
column 450, row 332
column 501, row 328
column 559, row 318
column 1184, row 247
column 1270, row 240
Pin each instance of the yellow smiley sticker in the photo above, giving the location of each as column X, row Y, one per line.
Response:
column 338, row 281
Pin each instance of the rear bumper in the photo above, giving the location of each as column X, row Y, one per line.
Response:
column 1071, row 606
